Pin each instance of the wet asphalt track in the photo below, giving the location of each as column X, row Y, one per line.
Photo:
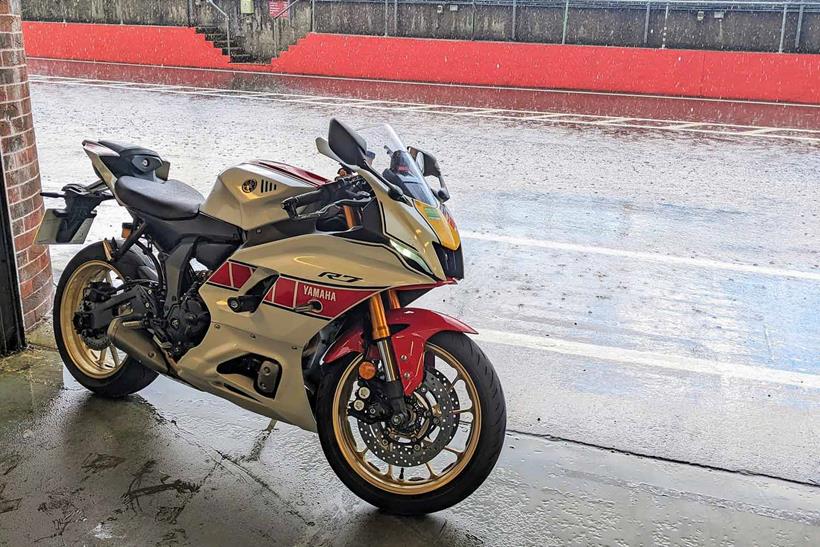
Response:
column 649, row 298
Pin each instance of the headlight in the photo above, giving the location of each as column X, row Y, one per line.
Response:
column 412, row 255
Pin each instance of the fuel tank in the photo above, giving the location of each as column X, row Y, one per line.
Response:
column 250, row 194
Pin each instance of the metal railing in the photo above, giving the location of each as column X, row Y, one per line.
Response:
column 719, row 9
column 275, row 17
column 227, row 23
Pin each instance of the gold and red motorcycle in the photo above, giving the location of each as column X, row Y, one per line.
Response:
column 288, row 294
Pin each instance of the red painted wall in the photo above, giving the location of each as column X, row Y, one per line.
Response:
column 146, row 45
column 692, row 73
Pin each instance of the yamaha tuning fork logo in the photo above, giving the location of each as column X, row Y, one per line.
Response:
column 249, row 186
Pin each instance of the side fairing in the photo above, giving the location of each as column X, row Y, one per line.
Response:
column 318, row 277
column 326, row 258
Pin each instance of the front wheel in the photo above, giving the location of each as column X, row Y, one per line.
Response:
column 445, row 451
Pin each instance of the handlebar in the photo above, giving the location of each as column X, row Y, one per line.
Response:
column 335, row 195
column 304, row 199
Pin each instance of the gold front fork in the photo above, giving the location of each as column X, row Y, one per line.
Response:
column 393, row 298
column 378, row 319
column 381, row 335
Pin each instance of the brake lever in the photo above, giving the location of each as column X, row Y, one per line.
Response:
column 327, row 211
column 332, row 209
column 353, row 202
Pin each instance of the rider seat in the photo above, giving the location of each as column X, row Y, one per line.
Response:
column 168, row 200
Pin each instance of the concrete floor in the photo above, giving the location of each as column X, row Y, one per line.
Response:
column 176, row 467
column 649, row 300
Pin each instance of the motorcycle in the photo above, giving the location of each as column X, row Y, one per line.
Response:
column 288, row 294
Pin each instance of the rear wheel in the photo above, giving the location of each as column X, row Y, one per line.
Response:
column 448, row 448
column 90, row 357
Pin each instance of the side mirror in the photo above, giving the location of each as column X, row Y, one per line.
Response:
column 428, row 165
column 349, row 147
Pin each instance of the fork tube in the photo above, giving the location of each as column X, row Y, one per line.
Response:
column 393, row 298
column 350, row 216
column 381, row 335
column 378, row 319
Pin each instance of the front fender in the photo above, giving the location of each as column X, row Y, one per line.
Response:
column 419, row 325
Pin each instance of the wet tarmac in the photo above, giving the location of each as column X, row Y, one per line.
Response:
column 175, row 467
column 649, row 300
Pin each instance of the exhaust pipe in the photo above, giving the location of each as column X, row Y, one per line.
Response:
column 131, row 338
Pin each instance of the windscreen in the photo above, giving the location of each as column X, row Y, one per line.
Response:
column 389, row 157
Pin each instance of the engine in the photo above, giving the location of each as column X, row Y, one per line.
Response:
column 186, row 323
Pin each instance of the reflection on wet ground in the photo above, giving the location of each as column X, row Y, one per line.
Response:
column 176, row 467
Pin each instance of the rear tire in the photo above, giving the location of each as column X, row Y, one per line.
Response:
column 129, row 376
column 484, row 456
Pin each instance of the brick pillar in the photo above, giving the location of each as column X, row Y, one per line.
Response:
column 22, row 172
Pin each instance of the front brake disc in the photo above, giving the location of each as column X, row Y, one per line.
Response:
column 405, row 448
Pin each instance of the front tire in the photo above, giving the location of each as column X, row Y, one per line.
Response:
column 99, row 367
column 408, row 492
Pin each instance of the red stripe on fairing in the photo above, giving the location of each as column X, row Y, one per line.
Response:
column 222, row 276
column 240, row 274
column 334, row 300
column 231, row 275
column 283, row 292
column 290, row 294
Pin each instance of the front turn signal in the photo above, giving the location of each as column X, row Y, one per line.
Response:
column 367, row 370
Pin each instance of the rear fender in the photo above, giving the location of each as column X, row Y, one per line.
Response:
column 417, row 326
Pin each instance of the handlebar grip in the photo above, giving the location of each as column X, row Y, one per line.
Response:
column 306, row 198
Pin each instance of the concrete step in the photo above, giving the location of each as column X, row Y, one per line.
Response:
column 235, row 50
column 207, row 30
column 241, row 58
column 222, row 44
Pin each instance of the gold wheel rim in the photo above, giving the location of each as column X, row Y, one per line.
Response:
column 387, row 479
column 98, row 364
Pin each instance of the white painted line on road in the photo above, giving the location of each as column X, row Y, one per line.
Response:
column 487, row 110
column 642, row 255
column 613, row 121
column 762, row 130
column 682, row 125
column 651, row 359
column 548, row 116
